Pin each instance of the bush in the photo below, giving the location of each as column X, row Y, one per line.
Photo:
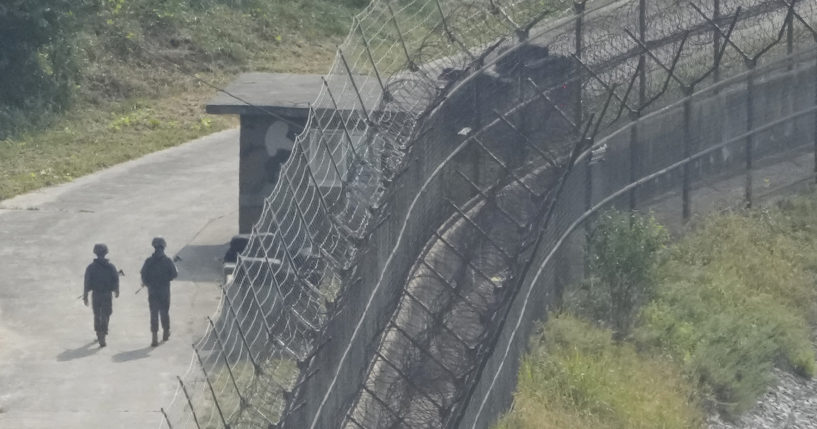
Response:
column 621, row 257
column 576, row 376
column 733, row 302
column 38, row 68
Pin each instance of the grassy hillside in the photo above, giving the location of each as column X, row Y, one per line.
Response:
column 709, row 316
column 109, row 80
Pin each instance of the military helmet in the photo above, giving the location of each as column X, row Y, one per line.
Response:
column 158, row 242
column 100, row 249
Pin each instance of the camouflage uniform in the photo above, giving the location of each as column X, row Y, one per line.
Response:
column 157, row 272
column 102, row 279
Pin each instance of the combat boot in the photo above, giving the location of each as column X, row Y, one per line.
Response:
column 155, row 341
column 165, row 335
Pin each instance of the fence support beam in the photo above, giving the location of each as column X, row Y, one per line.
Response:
column 578, row 10
column 716, row 41
column 189, row 402
column 210, row 386
column 634, row 161
column 687, row 153
column 750, row 124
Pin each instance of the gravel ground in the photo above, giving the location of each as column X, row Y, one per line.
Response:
column 791, row 403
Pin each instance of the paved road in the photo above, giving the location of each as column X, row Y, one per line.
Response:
column 52, row 373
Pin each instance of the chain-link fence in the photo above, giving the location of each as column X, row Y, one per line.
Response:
column 432, row 208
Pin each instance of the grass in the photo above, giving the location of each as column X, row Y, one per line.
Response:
column 260, row 391
column 93, row 138
column 135, row 92
column 576, row 376
column 736, row 298
column 732, row 299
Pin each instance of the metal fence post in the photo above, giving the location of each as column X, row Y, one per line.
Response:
column 687, row 152
column 633, row 148
column 716, row 41
column 750, row 123
column 642, row 59
column 642, row 97
column 578, row 10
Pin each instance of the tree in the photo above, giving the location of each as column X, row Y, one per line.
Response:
column 37, row 66
column 622, row 255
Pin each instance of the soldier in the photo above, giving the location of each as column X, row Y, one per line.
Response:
column 157, row 272
column 102, row 278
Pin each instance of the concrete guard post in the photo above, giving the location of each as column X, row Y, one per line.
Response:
column 273, row 109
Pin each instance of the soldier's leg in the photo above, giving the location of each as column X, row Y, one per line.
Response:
column 107, row 310
column 102, row 313
column 165, row 315
column 153, row 303
column 97, row 319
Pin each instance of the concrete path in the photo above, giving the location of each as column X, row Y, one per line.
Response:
column 52, row 372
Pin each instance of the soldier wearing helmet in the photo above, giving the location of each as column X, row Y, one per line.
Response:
column 157, row 272
column 102, row 279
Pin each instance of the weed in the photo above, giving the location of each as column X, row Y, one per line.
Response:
column 576, row 376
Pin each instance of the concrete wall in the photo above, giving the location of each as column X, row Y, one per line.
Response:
column 265, row 143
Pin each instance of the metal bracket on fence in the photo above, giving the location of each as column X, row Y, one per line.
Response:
column 491, row 198
column 670, row 70
column 412, row 66
column 189, row 402
column 386, row 95
column 496, row 9
column 408, row 380
column 438, row 318
column 400, row 419
column 254, row 362
column 479, row 229
column 369, row 121
column 167, row 420
column 449, row 34
column 609, row 88
column 467, row 260
column 304, row 363
column 543, row 94
column 505, row 167
column 241, row 399
column 808, row 26
column 549, row 157
column 423, row 349
column 452, row 289
column 210, row 386
column 340, row 118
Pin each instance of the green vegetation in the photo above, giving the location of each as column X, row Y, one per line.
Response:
column 622, row 257
column 715, row 311
column 89, row 83
column 736, row 298
column 576, row 376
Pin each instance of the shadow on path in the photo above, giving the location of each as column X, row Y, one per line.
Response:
column 132, row 355
column 201, row 262
column 77, row 353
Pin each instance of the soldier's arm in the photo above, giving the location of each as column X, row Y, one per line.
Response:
column 143, row 272
column 173, row 271
column 115, row 274
column 87, row 285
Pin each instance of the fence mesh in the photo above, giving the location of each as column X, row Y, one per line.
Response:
column 426, row 215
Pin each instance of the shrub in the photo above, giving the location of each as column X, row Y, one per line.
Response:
column 733, row 302
column 576, row 376
column 621, row 258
